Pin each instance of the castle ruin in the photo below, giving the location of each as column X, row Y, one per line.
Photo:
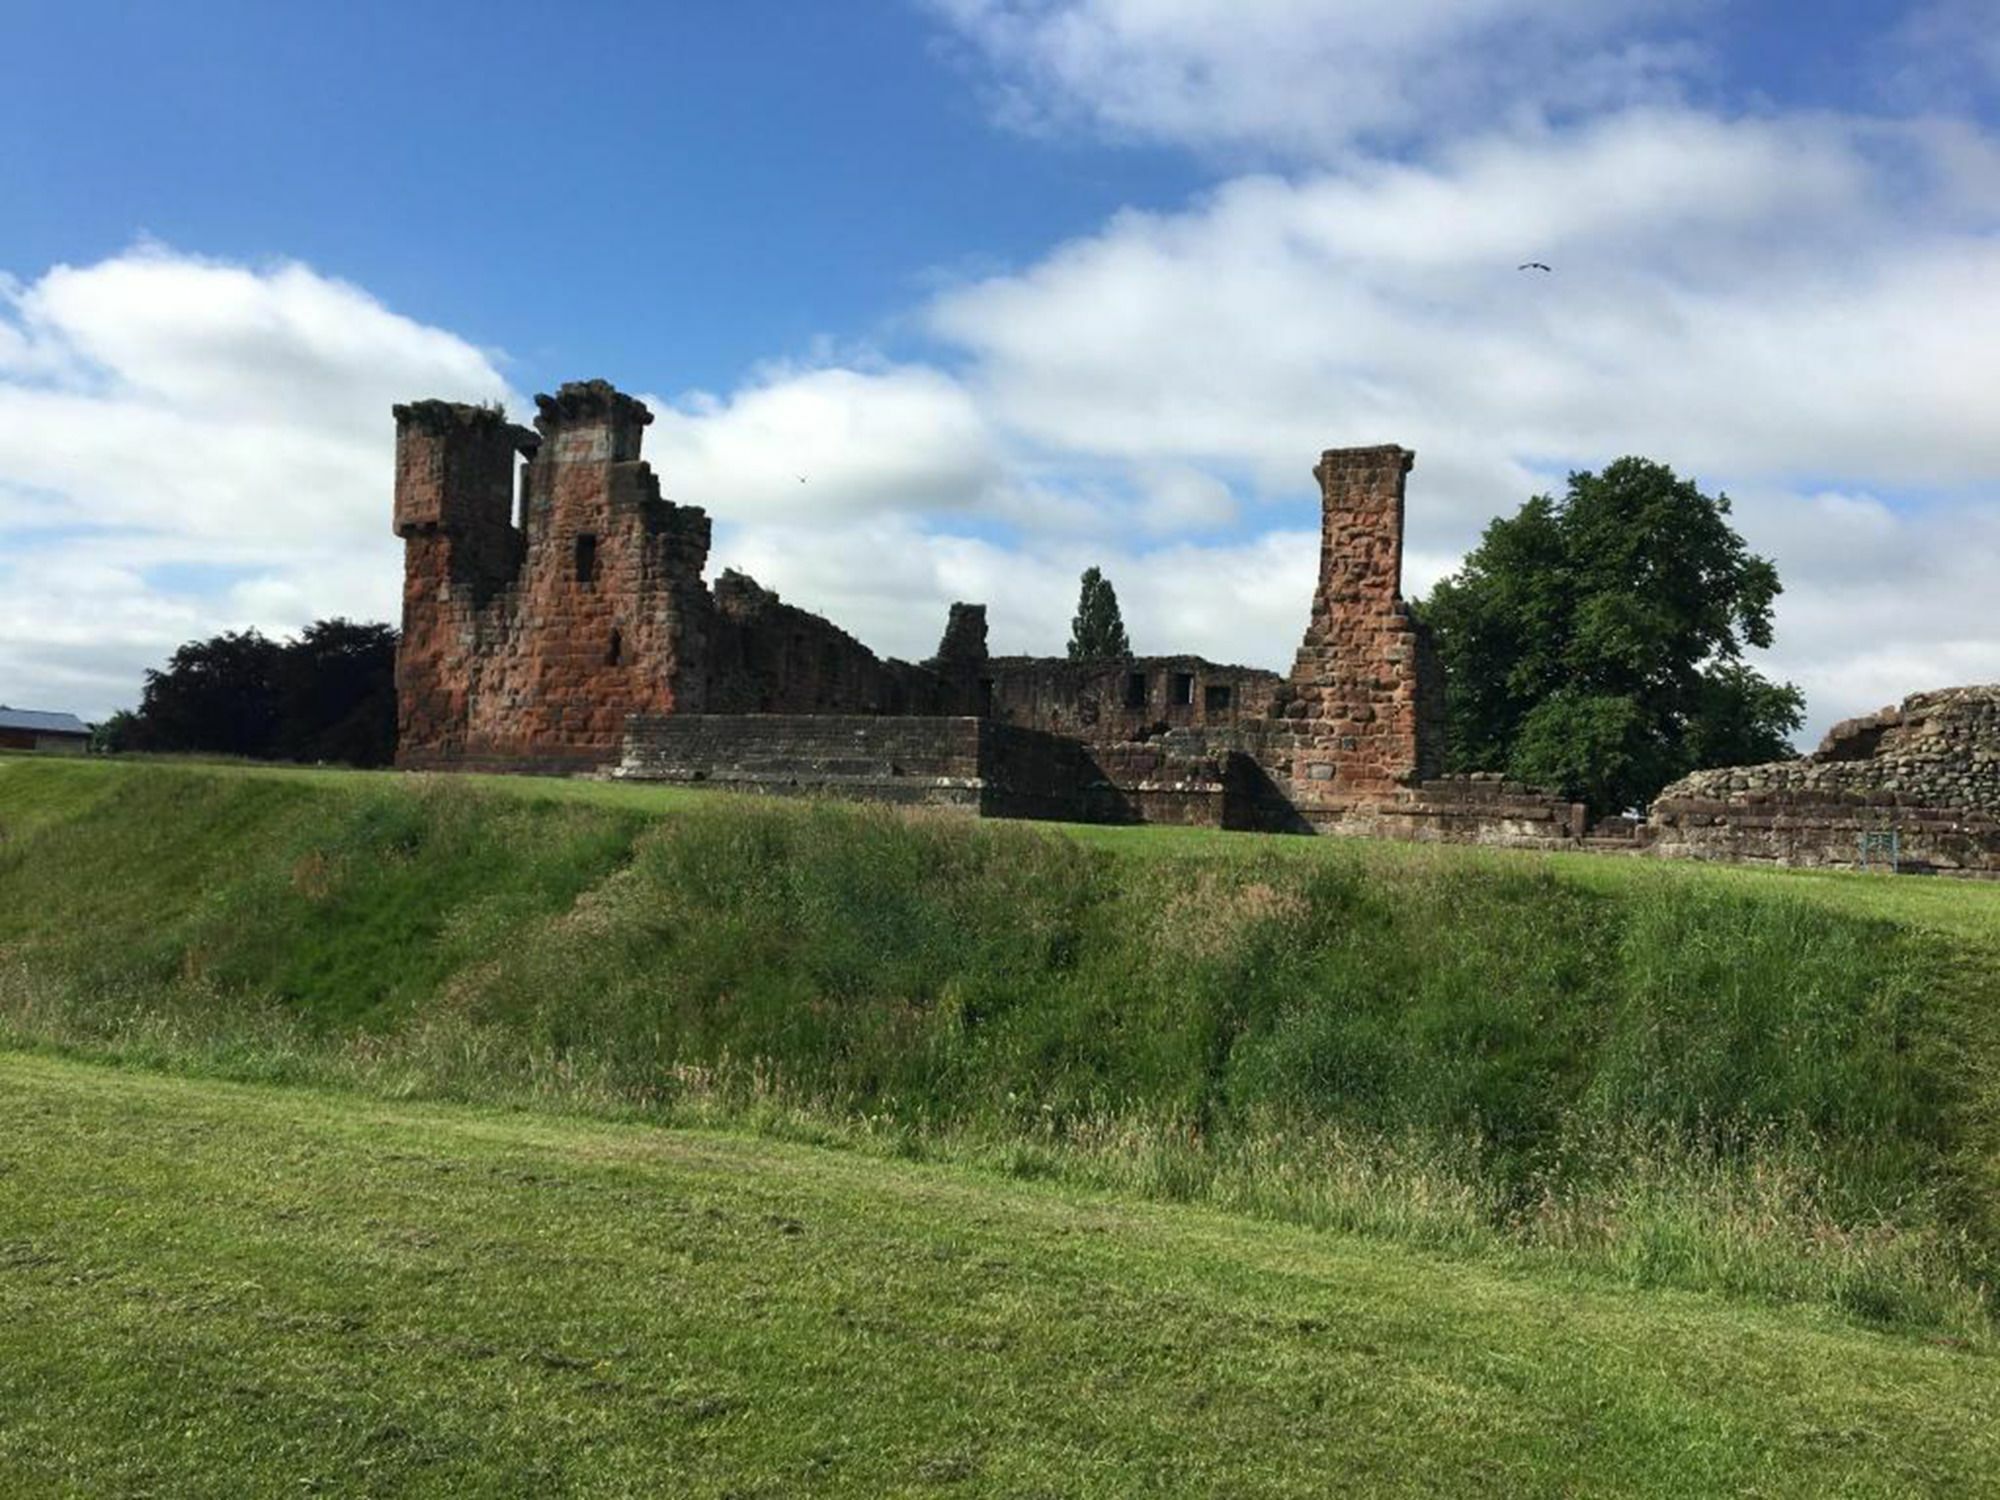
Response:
column 556, row 619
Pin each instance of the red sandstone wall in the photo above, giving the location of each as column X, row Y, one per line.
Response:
column 606, row 619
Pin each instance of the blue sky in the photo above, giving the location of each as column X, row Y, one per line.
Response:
column 653, row 192
column 1025, row 284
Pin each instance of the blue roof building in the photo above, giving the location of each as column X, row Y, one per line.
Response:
column 36, row 729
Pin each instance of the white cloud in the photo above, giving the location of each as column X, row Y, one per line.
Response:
column 827, row 441
column 1305, row 76
column 1748, row 297
column 1770, row 305
column 889, row 580
column 188, row 446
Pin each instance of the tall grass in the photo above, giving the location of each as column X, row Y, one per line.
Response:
column 1677, row 1081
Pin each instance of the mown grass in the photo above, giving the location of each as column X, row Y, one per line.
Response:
column 211, row 1289
column 1668, row 1076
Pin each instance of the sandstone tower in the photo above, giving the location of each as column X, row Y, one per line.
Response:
column 528, row 638
column 1365, row 697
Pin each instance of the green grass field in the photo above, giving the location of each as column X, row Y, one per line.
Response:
column 868, row 1153
column 216, row 1289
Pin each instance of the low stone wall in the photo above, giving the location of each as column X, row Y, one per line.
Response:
column 1917, row 784
column 1481, row 808
column 976, row 765
column 1812, row 830
column 913, row 761
column 1157, row 781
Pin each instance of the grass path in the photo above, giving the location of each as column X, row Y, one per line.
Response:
column 216, row 1289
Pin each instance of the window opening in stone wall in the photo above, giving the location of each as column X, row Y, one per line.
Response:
column 617, row 652
column 986, row 697
column 1135, row 690
column 1215, row 698
column 1183, row 689
column 586, row 558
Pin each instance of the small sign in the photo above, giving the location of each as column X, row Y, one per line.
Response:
column 1881, row 848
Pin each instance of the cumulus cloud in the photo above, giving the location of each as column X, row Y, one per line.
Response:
column 1306, row 76
column 188, row 446
column 1754, row 296
column 889, row 579
column 802, row 441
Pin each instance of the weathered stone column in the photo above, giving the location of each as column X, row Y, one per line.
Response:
column 1361, row 709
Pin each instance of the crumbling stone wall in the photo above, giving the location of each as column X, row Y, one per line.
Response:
column 769, row 657
column 1135, row 698
column 1926, row 771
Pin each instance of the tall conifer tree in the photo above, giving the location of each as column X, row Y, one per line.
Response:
column 1098, row 631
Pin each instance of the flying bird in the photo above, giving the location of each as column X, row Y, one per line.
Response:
column 1531, row 265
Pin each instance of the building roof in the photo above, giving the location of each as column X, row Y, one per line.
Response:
column 39, row 722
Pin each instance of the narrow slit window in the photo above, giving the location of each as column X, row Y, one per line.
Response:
column 616, row 653
column 586, row 558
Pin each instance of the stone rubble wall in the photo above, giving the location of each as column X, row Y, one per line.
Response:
column 528, row 641
column 1926, row 771
column 1481, row 808
column 933, row 762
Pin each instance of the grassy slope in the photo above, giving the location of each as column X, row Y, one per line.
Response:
column 214, row 1289
column 1781, row 1086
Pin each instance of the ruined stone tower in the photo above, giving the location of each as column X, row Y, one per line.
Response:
column 1365, row 697
column 528, row 643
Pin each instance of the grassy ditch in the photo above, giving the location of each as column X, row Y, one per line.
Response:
column 1671, row 1076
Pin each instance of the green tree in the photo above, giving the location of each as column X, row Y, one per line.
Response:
column 1098, row 631
column 115, row 733
column 329, row 695
column 1593, row 644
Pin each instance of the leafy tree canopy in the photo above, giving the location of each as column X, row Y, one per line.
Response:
column 330, row 695
column 1098, row 631
column 1593, row 643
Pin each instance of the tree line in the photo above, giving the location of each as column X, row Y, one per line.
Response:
column 328, row 695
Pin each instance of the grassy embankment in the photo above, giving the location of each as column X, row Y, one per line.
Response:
column 212, row 1289
column 1777, row 1087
